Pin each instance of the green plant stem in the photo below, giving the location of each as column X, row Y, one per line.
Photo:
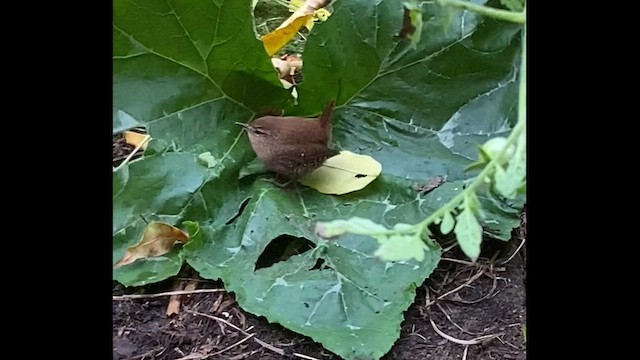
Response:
column 522, row 95
column 512, row 16
column 515, row 134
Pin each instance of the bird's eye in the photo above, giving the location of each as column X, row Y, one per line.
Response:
column 259, row 131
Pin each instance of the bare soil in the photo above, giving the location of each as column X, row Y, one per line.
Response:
column 463, row 301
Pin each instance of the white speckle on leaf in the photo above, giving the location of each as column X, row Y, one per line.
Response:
column 234, row 250
column 280, row 282
column 388, row 266
column 445, row 135
column 416, row 267
column 259, row 299
column 335, row 288
column 351, row 327
column 247, row 240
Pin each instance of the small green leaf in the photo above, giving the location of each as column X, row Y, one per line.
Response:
column 476, row 165
column 508, row 182
column 471, row 202
column 193, row 228
column 503, row 215
column 469, row 234
column 208, row 160
column 400, row 247
column 505, row 184
column 447, row 223
column 400, row 243
column 494, row 146
column 354, row 225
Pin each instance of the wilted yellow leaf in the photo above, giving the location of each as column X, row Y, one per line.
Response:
column 303, row 15
column 136, row 139
column 343, row 173
column 320, row 14
column 157, row 239
column 278, row 38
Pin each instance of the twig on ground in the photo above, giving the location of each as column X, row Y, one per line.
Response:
column 472, row 279
column 454, row 323
column 202, row 356
column 217, row 319
column 420, row 336
column 244, row 355
column 508, row 343
column 474, row 341
column 141, row 356
column 181, row 292
column 464, row 262
column 176, row 300
column 450, row 247
column 231, row 346
column 493, row 288
column 304, row 356
column 262, row 343
column 414, row 333
column 269, row 346
column 464, row 353
column 515, row 252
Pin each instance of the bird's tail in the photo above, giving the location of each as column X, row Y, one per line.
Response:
column 326, row 113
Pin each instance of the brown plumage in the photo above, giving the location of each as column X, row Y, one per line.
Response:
column 291, row 146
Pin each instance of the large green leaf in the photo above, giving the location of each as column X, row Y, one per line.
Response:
column 196, row 63
column 189, row 69
column 353, row 303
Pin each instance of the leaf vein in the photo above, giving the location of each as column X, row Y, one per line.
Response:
column 173, row 11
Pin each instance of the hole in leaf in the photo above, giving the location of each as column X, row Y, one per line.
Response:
column 320, row 265
column 360, row 176
column 282, row 248
column 243, row 205
column 306, row 305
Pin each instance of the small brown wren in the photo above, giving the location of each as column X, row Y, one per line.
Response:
column 292, row 146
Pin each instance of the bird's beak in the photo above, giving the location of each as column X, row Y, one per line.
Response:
column 245, row 126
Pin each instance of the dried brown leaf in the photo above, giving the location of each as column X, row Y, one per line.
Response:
column 157, row 239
